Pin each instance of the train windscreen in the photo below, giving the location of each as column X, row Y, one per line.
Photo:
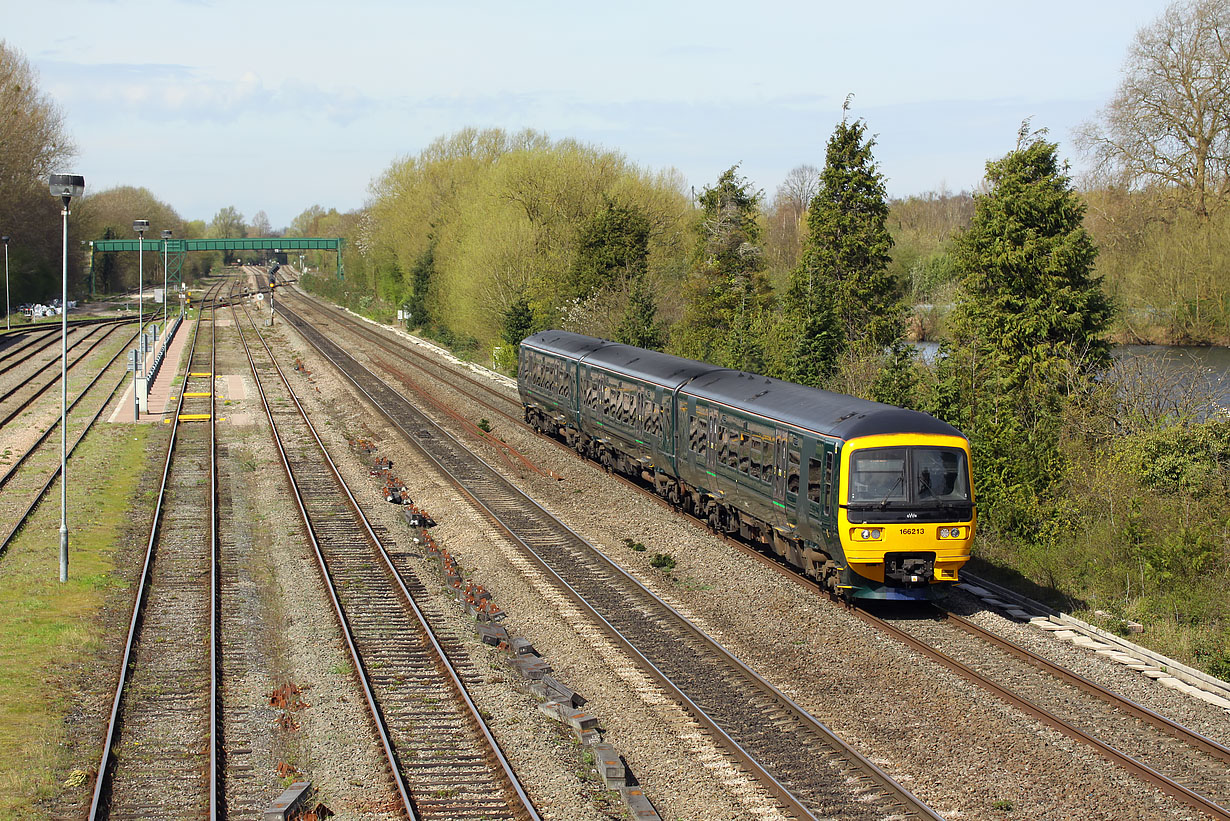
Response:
column 914, row 476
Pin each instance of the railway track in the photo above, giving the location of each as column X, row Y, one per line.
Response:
column 28, row 386
column 810, row 771
column 160, row 751
column 1176, row 760
column 28, row 476
column 443, row 760
column 1181, row 763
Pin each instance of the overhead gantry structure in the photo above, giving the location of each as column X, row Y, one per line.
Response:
column 177, row 249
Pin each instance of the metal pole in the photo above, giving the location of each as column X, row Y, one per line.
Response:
column 165, row 295
column 63, row 407
column 141, row 293
column 7, row 326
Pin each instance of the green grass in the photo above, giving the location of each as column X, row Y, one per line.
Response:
column 49, row 629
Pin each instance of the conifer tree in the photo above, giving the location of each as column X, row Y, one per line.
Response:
column 727, row 291
column 1029, row 323
column 639, row 325
column 844, row 266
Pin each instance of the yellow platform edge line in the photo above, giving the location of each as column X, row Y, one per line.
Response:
column 193, row 417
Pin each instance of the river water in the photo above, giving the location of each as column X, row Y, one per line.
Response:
column 1203, row 374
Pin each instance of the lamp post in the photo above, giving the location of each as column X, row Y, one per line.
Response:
column 7, row 325
column 141, row 226
column 166, row 235
column 64, row 186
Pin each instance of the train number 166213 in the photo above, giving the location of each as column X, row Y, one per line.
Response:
column 912, row 531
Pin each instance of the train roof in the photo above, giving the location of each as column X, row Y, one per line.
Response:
column 650, row 366
column 832, row 414
column 825, row 412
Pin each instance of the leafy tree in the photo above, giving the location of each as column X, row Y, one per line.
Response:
column 33, row 144
column 898, row 381
column 420, row 282
column 727, row 292
column 785, row 224
column 1169, row 122
column 1029, row 324
column 227, row 224
column 109, row 214
column 841, row 292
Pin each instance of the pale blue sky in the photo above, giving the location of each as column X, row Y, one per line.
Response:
column 277, row 106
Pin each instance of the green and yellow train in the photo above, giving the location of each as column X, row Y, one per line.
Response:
column 872, row 500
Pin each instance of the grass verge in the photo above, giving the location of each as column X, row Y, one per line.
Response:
column 50, row 632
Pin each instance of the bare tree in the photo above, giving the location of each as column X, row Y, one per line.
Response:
column 784, row 240
column 1168, row 124
column 260, row 226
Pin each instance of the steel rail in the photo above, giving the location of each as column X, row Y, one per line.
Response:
column 1187, row 736
column 1178, row 731
column 455, row 678
column 774, row 786
column 106, row 762
column 386, row 742
column 507, row 451
column 49, row 332
column 1148, row 774
column 47, row 433
column 53, row 338
column 38, row 497
column 48, row 385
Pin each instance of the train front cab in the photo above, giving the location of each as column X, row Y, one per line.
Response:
column 906, row 520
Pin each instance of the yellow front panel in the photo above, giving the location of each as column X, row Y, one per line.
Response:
column 866, row 556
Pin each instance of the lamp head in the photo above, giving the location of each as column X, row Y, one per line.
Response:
column 5, row 240
column 166, row 233
column 140, row 226
column 67, row 186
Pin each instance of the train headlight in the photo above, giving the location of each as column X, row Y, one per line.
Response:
column 943, row 533
column 867, row 534
column 951, row 532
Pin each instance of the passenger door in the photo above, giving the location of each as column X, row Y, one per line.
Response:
column 779, row 467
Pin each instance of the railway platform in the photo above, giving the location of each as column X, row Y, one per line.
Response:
column 160, row 393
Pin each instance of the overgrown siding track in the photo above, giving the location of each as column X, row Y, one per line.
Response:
column 30, row 379
column 443, row 760
column 811, row 772
column 30, row 474
column 160, row 752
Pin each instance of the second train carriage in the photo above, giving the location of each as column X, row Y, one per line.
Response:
column 873, row 500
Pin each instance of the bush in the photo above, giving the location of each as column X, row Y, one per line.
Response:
column 663, row 561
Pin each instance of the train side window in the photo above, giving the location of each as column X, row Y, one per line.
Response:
column 829, row 459
column 757, row 456
column 723, row 443
column 745, row 464
column 792, row 469
column 693, row 434
column 593, row 394
column 815, row 480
